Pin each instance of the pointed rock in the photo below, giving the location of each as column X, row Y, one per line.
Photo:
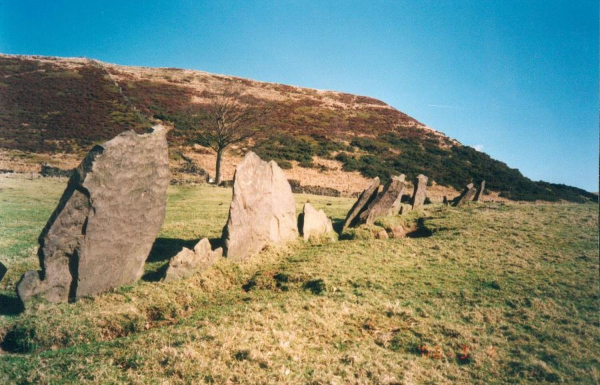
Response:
column 479, row 192
column 466, row 196
column 189, row 262
column 363, row 201
column 102, row 231
column 386, row 202
column 262, row 211
column 419, row 194
column 314, row 223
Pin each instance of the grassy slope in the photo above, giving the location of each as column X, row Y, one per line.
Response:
column 498, row 294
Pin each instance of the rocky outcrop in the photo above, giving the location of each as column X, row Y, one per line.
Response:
column 102, row 231
column 386, row 203
column 467, row 195
column 189, row 262
column 313, row 223
column 479, row 192
column 262, row 211
column 419, row 194
column 363, row 201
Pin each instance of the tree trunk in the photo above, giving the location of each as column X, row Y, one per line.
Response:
column 218, row 176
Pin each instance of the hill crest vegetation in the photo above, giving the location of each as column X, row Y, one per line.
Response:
column 57, row 105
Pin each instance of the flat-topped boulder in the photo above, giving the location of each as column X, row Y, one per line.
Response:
column 363, row 201
column 467, row 195
column 106, row 221
column 386, row 203
column 189, row 262
column 420, row 192
column 314, row 223
column 262, row 211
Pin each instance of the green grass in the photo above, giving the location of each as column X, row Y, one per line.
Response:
column 496, row 294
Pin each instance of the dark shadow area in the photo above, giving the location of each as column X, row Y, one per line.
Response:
column 164, row 249
column 421, row 232
column 338, row 225
column 10, row 305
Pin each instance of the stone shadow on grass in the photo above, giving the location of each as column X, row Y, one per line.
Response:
column 10, row 305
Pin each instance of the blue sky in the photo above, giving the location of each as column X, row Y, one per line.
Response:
column 517, row 79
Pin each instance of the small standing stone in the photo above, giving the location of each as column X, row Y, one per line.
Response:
column 314, row 223
column 188, row 262
column 419, row 194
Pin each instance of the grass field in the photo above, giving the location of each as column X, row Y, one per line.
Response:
column 499, row 293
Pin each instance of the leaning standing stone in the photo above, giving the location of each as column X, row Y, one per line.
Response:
column 466, row 196
column 386, row 202
column 314, row 223
column 363, row 201
column 479, row 192
column 102, row 231
column 263, row 210
column 419, row 194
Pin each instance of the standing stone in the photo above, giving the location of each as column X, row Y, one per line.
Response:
column 479, row 192
column 3, row 271
column 363, row 201
column 102, row 231
column 398, row 202
column 386, row 202
column 418, row 198
column 466, row 196
column 262, row 211
column 314, row 223
column 188, row 262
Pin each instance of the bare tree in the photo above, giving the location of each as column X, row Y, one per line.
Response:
column 226, row 121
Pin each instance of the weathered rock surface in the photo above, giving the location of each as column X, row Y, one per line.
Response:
column 188, row 262
column 398, row 202
column 479, row 192
column 363, row 201
column 466, row 196
column 419, row 194
column 263, row 210
column 103, row 228
column 386, row 202
column 3, row 271
column 314, row 223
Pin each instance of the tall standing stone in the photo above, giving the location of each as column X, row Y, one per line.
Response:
column 314, row 223
column 386, row 202
column 479, row 192
column 106, row 221
column 262, row 211
column 466, row 196
column 363, row 201
column 419, row 194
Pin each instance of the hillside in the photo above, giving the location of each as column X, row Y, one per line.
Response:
column 497, row 293
column 53, row 110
